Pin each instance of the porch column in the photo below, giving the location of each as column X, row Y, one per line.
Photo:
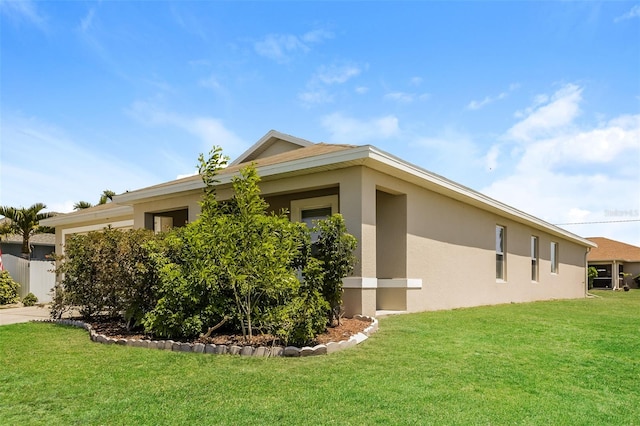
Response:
column 358, row 207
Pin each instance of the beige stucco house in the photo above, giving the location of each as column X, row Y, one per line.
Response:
column 425, row 242
column 617, row 263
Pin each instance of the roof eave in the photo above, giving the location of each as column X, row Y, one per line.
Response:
column 77, row 217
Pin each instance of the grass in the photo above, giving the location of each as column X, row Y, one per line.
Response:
column 558, row 362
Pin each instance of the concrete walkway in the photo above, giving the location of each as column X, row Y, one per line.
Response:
column 16, row 315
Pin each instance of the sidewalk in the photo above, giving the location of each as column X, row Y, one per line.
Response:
column 16, row 315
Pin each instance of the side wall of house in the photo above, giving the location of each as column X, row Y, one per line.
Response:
column 451, row 246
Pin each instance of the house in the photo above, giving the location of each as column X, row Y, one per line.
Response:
column 424, row 242
column 42, row 245
column 617, row 263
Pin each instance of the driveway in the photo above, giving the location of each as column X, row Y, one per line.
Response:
column 16, row 315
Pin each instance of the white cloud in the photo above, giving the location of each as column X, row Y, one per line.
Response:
column 633, row 13
column 567, row 173
column 544, row 118
column 404, row 97
column 350, row 130
column 475, row 105
column 280, row 47
column 336, row 74
column 319, row 96
column 212, row 83
column 416, row 81
column 210, row 131
column 316, row 90
column 361, row 90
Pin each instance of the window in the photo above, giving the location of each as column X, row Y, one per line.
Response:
column 311, row 216
column 534, row 258
column 554, row 258
column 500, row 253
column 309, row 210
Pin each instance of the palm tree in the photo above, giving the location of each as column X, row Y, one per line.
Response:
column 107, row 195
column 26, row 222
column 80, row 205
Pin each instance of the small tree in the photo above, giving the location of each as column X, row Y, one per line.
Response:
column 592, row 273
column 335, row 248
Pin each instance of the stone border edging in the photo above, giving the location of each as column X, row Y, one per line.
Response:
column 261, row 351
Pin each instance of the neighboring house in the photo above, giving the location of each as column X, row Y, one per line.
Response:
column 424, row 242
column 617, row 263
column 42, row 245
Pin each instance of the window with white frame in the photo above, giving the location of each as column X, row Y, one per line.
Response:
column 501, row 260
column 554, row 258
column 534, row 258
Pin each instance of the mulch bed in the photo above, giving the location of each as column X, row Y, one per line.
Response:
column 347, row 328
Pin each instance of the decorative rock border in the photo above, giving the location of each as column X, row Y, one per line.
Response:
column 261, row 351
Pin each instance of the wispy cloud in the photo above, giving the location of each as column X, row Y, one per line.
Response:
column 23, row 10
column 405, row 97
column 209, row 130
column 281, row 47
column 317, row 88
column 631, row 14
column 53, row 178
column 87, row 21
column 351, row 130
column 336, row 74
column 475, row 105
column 549, row 114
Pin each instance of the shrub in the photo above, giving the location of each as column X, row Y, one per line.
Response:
column 29, row 300
column 8, row 289
column 335, row 250
column 107, row 272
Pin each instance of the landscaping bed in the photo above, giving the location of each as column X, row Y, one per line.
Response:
column 348, row 327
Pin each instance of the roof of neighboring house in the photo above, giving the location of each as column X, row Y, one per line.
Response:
column 613, row 250
column 37, row 239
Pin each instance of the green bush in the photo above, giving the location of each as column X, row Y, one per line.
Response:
column 29, row 300
column 8, row 289
column 107, row 272
column 335, row 248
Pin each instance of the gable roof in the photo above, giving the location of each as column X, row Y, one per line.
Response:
column 613, row 250
column 273, row 142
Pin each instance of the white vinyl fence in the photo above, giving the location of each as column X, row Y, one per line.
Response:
column 35, row 276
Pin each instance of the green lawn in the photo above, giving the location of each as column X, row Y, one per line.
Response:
column 559, row 362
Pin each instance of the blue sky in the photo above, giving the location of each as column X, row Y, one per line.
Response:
column 536, row 104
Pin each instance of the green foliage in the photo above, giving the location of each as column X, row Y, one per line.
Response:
column 305, row 316
column 107, row 272
column 8, row 289
column 335, row 248
column 592, row 273
column 190, row 296
column 29, row 300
